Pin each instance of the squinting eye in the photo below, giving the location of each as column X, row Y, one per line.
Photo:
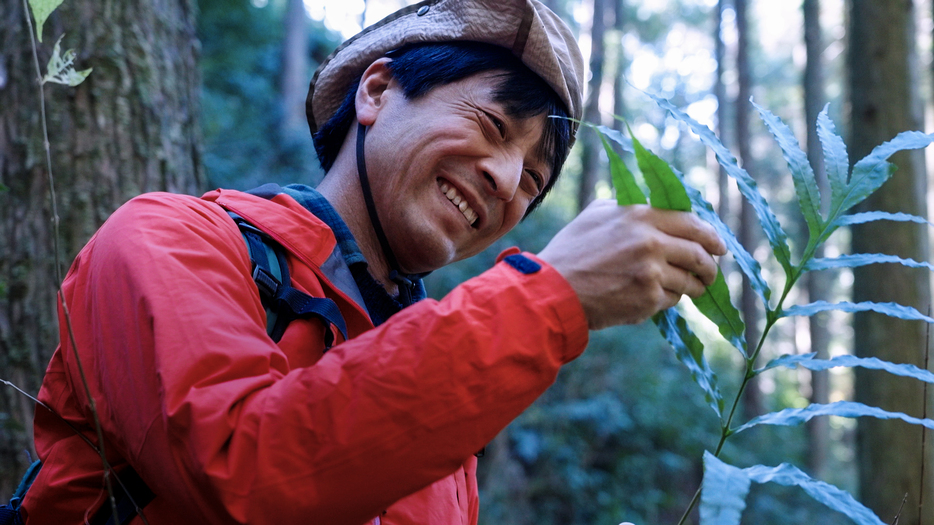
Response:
column 498, row 123
column 537, row 180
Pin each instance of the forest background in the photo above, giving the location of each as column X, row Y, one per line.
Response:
column 190, row 95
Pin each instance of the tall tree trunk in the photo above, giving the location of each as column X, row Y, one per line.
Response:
column 818, row 283
column 619, row 81
column 590, row 153
column 131, row 127
column 752, row 397
column 295, row 65
column 883, row 79
column 719, row 90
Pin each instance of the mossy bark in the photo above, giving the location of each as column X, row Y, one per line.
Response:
column 131, row 127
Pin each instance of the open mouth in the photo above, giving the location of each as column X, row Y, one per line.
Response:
column 460, row 202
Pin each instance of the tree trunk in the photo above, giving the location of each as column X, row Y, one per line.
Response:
column 619, row 81
column 818, row 283
column 295, row 77
column 131, row 127
column 591, row 147
column 882, row 70
column 719, row 90
column 752, row 397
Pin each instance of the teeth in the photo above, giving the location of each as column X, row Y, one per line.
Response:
column 461, row 203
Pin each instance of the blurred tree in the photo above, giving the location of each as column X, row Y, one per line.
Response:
column 818, row 284
column 883, row 84
column 622, row 62
column 719, row 91
column 131, row 127
column 748, row 223
column 591, row 166
column 245, row 55
column 294, row 71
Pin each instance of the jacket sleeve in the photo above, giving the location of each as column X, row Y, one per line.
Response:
column 209, row 411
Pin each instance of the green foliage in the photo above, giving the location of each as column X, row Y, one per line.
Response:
column 725, row 488
column 41, row 9
column 61, row 68
column 241, row 57
column 871, row 363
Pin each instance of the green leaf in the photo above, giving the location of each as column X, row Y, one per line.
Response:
column 831, row 496
column 871, row 363
column 836, row 159
column 617, row 137
column 61, row 68
column 690, row 351
column 850, row 409
column 3, row 187
column 666, row 190
column 723, row 492
column 872, row 171
column 627, row 190
column 749, row 265
column 870, row 216
column 41, row 9
column 801, row 172
column 890, row 309
column 725, row 487
column 715, row 304
column 776, row 236
column 863, row 259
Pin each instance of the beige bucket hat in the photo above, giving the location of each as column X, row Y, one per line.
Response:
column 532, row 31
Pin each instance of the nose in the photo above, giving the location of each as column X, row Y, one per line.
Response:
column 502, row 173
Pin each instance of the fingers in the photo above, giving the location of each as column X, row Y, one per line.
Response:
column 693, row 259
column 627, row 263
column 687, row 225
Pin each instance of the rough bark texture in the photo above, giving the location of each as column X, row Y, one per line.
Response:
column 883, row 82
column 131, row 127
column 817, row 282
column 590, row 143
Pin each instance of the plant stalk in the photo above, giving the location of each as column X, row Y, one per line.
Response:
column 725, row 431
column 58, row 266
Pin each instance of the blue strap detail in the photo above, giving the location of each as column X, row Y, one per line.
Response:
column 9, row 513
column 523, row 264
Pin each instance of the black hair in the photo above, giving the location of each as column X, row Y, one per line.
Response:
column 421, row 67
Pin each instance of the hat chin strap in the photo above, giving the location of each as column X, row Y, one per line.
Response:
column 406, row 285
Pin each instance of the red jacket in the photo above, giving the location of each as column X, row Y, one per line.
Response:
column 226, row 426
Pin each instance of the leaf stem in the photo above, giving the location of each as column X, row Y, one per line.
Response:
column 725, row 430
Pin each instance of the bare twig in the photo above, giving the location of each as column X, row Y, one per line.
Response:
column 902, row 506
column 927, row 354
column 58, row 265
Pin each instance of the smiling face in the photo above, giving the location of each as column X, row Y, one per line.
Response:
column 450, row 171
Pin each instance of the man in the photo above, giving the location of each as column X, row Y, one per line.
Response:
column 434, row 129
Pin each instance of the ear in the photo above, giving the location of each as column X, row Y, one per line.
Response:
column 370, row 93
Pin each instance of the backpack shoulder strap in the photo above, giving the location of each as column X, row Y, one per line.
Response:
column 283, row 302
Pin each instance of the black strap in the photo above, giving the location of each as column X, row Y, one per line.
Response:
column 131, row 494
column 278, row 295
column 406, row 285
